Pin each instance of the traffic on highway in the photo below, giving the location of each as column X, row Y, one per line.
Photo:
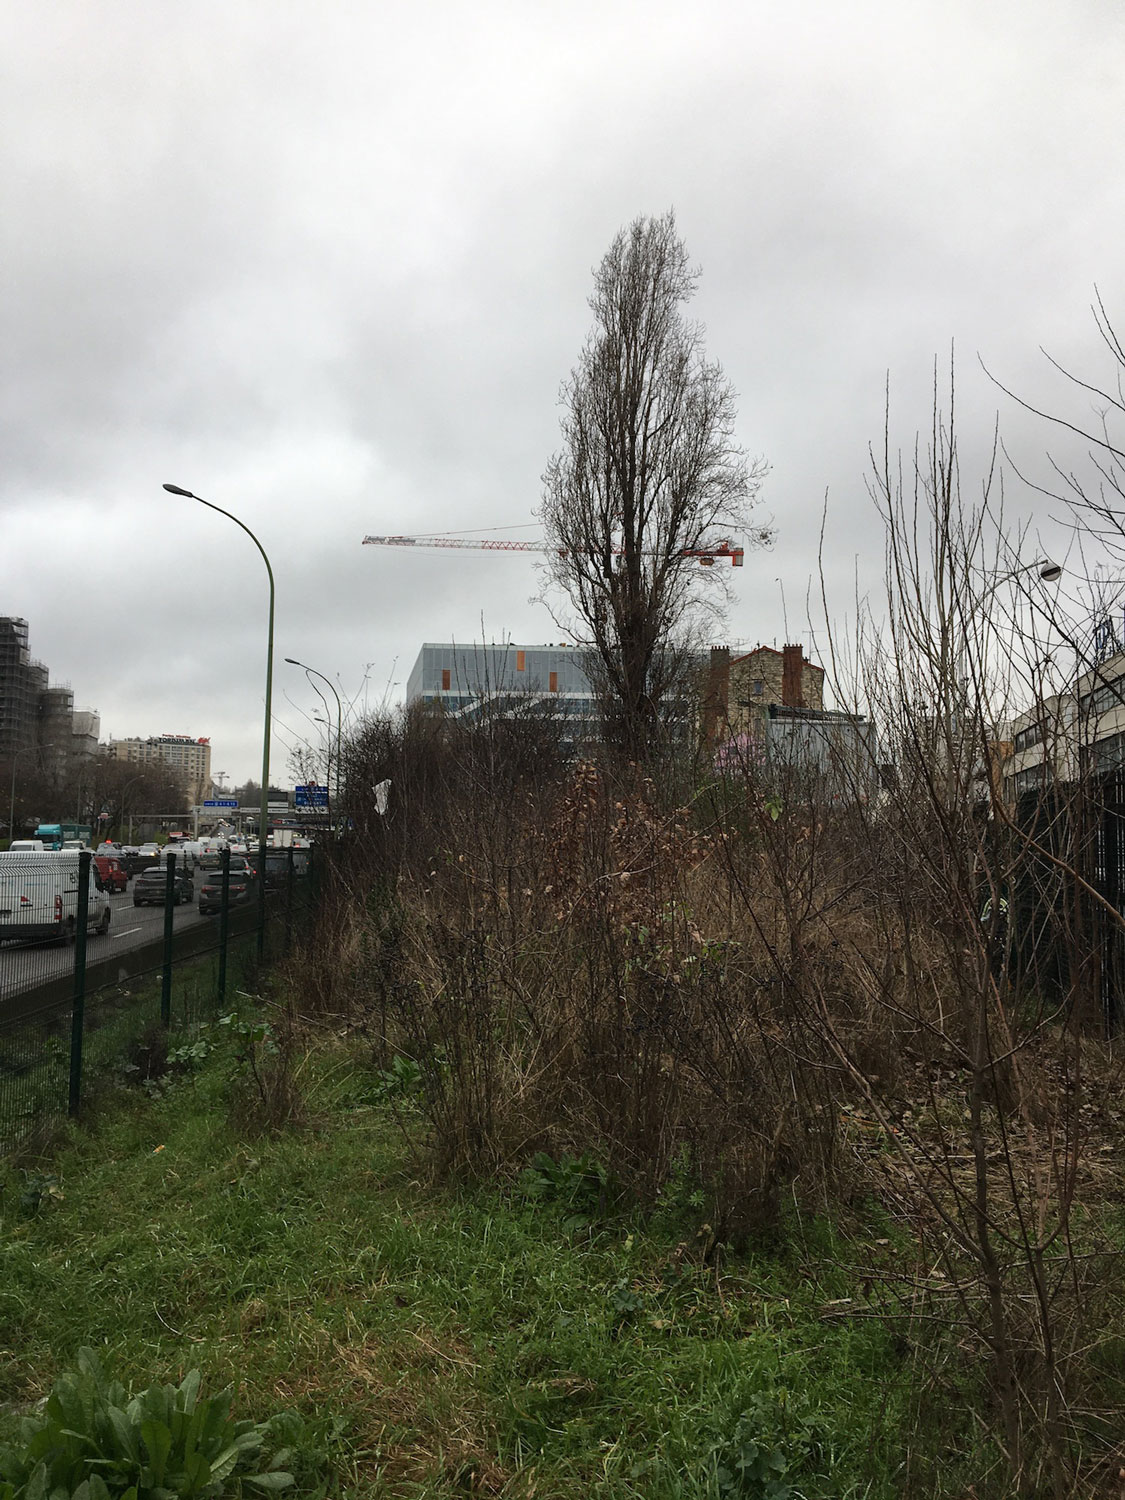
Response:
column 126, row 908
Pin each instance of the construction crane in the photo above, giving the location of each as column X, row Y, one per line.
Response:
column 705, row 556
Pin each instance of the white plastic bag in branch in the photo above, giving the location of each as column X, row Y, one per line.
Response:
column 382, row 797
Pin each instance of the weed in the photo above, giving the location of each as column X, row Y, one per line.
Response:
column 93, row 1441
column 40, row 1190
column 264, row 1092
column 401, row 1080
column 579, row 1184
column 188, row 1057
column 771, row 1453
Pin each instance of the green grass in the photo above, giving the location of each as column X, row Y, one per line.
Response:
column 121, row 1021
column 437, row 1343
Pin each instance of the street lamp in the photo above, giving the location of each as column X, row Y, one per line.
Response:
column 174, row 489
column 1045, row 569
column 312, row 672
column 12, row 795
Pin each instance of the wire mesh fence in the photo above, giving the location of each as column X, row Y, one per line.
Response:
column 100, row 996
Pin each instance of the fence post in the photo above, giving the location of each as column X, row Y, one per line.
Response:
column 78, row 1007
column 169, row 911
column 224, row 924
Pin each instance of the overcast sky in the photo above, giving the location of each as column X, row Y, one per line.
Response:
column 327, row 265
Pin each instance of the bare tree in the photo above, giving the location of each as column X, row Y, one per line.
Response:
column 648, row 475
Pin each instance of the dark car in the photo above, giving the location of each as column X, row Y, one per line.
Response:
column 111, row 874
column 150, row 887
column 242, row 889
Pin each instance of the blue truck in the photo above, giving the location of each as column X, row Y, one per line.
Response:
column 64, row 835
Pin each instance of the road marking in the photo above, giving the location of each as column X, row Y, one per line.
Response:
column 127, row 931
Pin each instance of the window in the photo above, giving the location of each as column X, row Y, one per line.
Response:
column 1101, row 699
column 445, row 679
column 1026, row 738
column 553, row 682
column 757, row 687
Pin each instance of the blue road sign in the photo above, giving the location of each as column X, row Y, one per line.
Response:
column 222, row 802
column 311, row 795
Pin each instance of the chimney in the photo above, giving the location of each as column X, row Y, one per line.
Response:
column 716, row 694
column 792, row 677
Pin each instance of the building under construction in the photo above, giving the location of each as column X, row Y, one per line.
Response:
column 35, row 715
column 22, row 682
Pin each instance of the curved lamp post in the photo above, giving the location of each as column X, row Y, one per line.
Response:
column 174, row 489
column 127, row 788
column 312, row 672
column 1046, row 571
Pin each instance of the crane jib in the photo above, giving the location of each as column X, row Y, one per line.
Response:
column 705, row 556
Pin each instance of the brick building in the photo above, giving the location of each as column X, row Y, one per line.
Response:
column 740, row 690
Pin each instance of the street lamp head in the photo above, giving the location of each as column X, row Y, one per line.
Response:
column 293, row 662
column 1049, row 571
column 174, row 489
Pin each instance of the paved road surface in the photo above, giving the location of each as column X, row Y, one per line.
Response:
column 24, row 967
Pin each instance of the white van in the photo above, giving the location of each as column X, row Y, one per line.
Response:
column 186, row 852
column 39, row 897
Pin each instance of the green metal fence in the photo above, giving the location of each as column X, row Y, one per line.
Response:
column 81, row 1011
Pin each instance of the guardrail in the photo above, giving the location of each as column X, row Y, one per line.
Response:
column 74, row 1012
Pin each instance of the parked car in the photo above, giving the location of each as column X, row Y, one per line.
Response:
column 111, row 872
column 242, row 888
column 150, row 888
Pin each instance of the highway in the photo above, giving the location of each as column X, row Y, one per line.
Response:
column 27, row 966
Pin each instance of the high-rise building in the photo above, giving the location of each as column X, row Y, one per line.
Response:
column 180, row 752
column 22, row 680
column 38, row 715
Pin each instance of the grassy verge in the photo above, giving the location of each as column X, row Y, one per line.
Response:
column 123, row 1033
column 440, row 1344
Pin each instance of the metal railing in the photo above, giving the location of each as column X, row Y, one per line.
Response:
column 103, row 1003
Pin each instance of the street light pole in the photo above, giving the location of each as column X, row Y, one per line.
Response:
column 293, row 662
column 12, row 799
column 174, row 489
column 1046, row 571
column 12, row 794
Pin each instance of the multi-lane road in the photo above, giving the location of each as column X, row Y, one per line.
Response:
column 26, row 967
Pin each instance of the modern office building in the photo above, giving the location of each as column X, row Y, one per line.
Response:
column 1074, row 733
column 464, row 680
column 181, row 752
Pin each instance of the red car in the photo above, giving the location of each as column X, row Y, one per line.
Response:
column 111, row 873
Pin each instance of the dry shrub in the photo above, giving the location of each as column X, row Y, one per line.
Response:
column 581, row 981
column 764, row 995
column 265, row 1093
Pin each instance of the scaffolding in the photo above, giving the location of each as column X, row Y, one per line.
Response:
column 22, row 680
